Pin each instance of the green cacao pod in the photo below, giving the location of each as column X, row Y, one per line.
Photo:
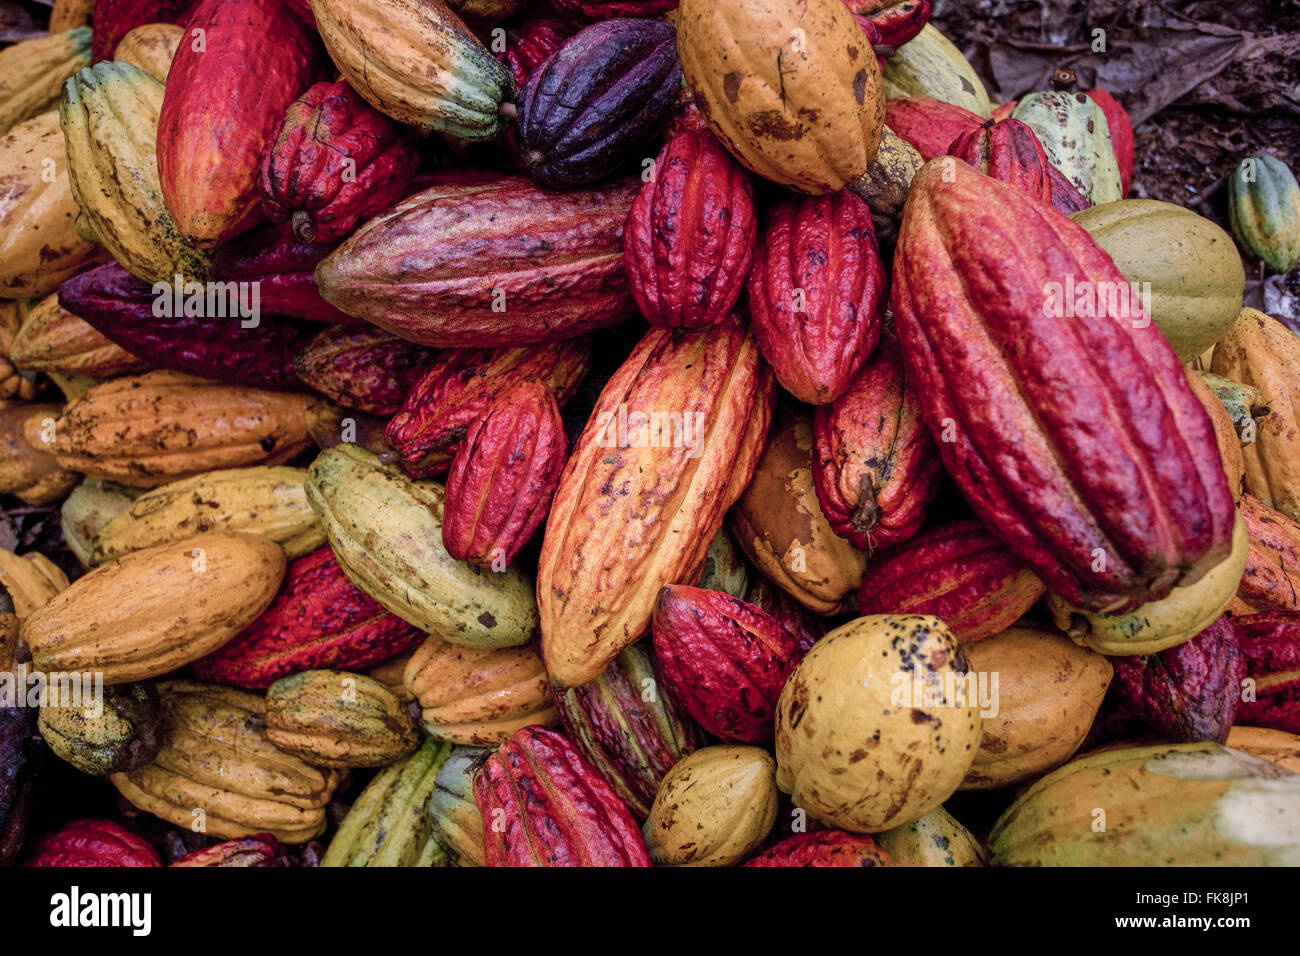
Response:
column 457, row 824
column 1195, row 274
column 386, row 531
column 931, row 65
column 109, row 115
column 936, row 839
column 122, row 733
column 390, row 825
column 1264, row 208
column 1196, row 804
column 1076, row 139
column 339, row 719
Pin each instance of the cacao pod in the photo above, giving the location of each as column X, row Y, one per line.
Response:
column 847, row 752
column 1264, row 210
column 29, row 470
column 30, row 581
column 936, row 839
column 875, row 468
column 630, row 515
column 723, row 659
column 1271, row 581
column 816, row 294
column 689, row 238
column 125, row 733
column 476, row 696
column 593, row 106
column 362, row 367
column 1120, row 127
column 260, row 850
column 931, row 65
column 66, row 14
column 1065, row 198
column 1189, row 692
column 459, row 387
column 414, row 60
column 779, row 524
column 114, row 19
column 151, row 47
column 52, row 339
column 386, row 532
column 1074, row 134
column 1270, row 644
column 931, row 126
column 39, row 243
column 155, row 610
column 334, row 162
column 1276, row 746
column 457, row 826
column 715, row 807
column 1040, row 694
column 1244, row 404
column 1111, row 500
column 725, row 568
column 32, row 73
column 318, row 620
column 282, row 269
column 1262, row 352
column 530, row 44
column 1185, row 264
column 804, row 627
column 217, row 759
column 542, row 804
column 489, row 263
column 338, row 719
column 823, row 848
column 789, row 88
column 224, row 102
column 897, row 21
column 629, row 731
column 1008, row 151
column 885, row 183
column 93, row 843
column 504, row 476
column 267, row 501
column 330, row 425
column 109, row 116
column 152, row 429
column 92, row 504
column 1166, row 805
column 1225, row 434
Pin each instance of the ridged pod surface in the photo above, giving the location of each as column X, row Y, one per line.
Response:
column 362, row 367
column 99, row 843
column 1270, row 643
column 1009, row 151
column 823, row 848
column 930, row 125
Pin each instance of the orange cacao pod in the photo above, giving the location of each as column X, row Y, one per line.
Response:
column 674, row 438
column 1271, row 581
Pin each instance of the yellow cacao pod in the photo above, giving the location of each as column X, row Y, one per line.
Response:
column 32, row 580
column 936, row 839
column 338, row 719
column 151, row 47
column 32, row 73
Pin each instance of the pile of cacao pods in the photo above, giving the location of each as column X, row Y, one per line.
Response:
column 628, row 433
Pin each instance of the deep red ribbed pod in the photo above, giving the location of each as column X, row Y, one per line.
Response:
column 528, row 46
column 542, row 804
column 1189, row 692
column 1270, row 643
column 1066, row 199
column 823, row 848
column 1076, row 438
column 504, row 476
column 284, row 270
column 724, row 660
column 930, row 125
column 1121, row 133
column 689, row 238
column 253, row 851
column 817, row 293
column 334, row 161
column 1008, row 151
column 93, row 843
column 805, row 627
column 956, row 571
column 875, row 467
column 896, row 21
column 319, row 621
column 362, row 367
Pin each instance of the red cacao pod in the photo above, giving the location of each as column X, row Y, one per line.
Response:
column 608, row 9
column 1189, row 692
column 333, row 162
column 1121, row 133
column 1270, row 643
column 114, row 19
column 284, row 270
column 1271, row 581
column 529, row 45
column 959, row 573
column 629, row 730
column 260, row 850
column 930, row 125
column 823, row 848
column 217, row 346
column 1112, row 496
column 1008, row 151
column 461, row 386
column 222, row 105
column 806, row 628
column 504, row 476
column 724, row 660
column 319, row 621
column 93, row 843
column 875, row 467
column 689, row 238
column 1066, row 199
column 817, row 293
column 896, row 21
column 542, row 804
column 362, row 367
